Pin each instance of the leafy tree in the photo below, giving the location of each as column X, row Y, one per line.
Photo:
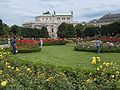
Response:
column 1, row 28
column 43, row 32
column 80, row 29
column 70, row 31
column 61, row 33
column 92, row 31
column 15, row 30
column 6, row 29
column 114, row 28
column 105, row 30
column 66, row 30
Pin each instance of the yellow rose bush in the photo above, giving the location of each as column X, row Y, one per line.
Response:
column 16, row 75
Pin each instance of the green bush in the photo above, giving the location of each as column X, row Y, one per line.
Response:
column 54, row 43
column 105, row 47
column 29, row 50
column 16, row 75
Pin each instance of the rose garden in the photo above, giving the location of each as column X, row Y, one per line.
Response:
column 64, row 63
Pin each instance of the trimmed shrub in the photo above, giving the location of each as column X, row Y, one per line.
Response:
column 106, row 47
column 16, row 75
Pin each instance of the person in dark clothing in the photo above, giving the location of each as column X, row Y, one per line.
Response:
column 98, row 42
column 13, row 43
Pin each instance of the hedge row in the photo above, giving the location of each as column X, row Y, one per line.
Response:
column 16, row 75
column 103, row 49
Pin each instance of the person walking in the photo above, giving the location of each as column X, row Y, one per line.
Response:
column 13, row 43
column 98, row 42
column 41, row 43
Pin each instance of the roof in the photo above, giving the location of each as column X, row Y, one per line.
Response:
column 56, row 14
column 110, row 17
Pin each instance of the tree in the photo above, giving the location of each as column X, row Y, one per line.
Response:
column 114, row 28
column 66, row 30
column 16, row 30
column 1, row 28
column 105, row 30
column 61, row 33
column 43, row 32
column 70, row 31
column 6, row 29
column 80, row 29
column 92, row 31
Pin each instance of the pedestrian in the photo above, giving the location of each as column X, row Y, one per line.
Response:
column 13, row 43
column 41, row 43
column 98, row 42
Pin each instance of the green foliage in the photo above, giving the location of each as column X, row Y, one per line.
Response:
column 91, row 31
column 28, row 47
column 43, row 33
column 15, row 75
column 89, row 46
column 33, row 32
column 15, row 30
column 1, row 28
column 111, row 29
column 6, row 29
column 66, row 31
column 60, row 42
column 62, row 30
column 80, row 29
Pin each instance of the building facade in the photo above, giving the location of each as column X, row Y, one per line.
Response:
column 51, row 21
column 106, row 19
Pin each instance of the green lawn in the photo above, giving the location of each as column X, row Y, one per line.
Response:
column 66, row 56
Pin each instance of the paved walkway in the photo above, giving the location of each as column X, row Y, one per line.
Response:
column 5, row 46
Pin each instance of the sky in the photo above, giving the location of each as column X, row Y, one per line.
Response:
column 18, row 11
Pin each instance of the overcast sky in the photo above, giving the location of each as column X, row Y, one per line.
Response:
column 18, row 11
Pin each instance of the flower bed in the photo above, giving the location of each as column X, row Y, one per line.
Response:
column 27, row 46
column 57, row 41
column 106, row 47
column 15, row 75
column 110, row 39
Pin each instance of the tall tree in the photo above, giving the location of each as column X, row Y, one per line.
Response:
column 43, row 32
column 15, row 30
column 61, row 33
column 6, row 29
column 70, row 31
column 80, row 29
column 92, row 31
column 1, row 28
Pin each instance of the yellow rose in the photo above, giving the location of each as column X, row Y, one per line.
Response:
column 98, row 69
column 6, row 63
column 17, row 69
column 98, row 58
column 28, row 69
column 3, row 83
column 9, row 67
column 94, row 58
column 104, row 63
column 93, row 62
column 100, row 66
column 1, row 72
column 50, row 78
column 107, row 64
column 95, row 79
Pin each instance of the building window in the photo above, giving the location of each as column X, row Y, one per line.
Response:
column 58, row 18
column 52, row 30
column 50, row 18
column 46, row 18
column 43, row 18
column 68, row 18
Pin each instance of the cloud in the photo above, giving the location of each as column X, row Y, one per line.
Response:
column 16, row 11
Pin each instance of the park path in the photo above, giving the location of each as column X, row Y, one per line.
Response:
column 5, row 46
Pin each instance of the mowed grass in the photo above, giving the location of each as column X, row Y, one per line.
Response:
column 66, row 56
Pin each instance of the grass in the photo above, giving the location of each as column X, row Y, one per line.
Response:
column 66, row 56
